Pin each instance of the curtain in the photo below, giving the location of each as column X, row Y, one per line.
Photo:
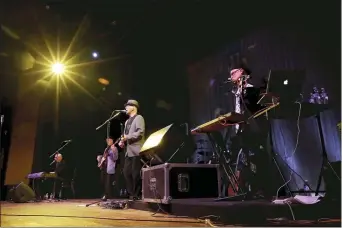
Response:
column 306, row 159
column 331, row 137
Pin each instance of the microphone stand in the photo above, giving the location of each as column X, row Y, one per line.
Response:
column 112, row 117
column 59, row 149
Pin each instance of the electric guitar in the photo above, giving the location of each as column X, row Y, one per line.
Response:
column 105, row 154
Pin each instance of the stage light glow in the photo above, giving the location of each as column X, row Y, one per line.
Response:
column 103, row 81
column 95, row 55
column 58, row 68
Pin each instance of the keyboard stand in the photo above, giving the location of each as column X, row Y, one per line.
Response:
column 218, row 144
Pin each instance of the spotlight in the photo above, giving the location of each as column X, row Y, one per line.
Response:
column 58, row 68
column 95, row 55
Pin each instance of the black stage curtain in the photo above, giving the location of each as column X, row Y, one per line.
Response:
column 307, row 159
column 331, row 136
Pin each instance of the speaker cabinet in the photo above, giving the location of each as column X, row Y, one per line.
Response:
column 22, row 193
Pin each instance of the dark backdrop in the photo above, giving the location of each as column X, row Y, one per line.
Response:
column 298, row 41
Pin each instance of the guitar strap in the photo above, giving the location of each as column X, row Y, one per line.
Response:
column 129, row 124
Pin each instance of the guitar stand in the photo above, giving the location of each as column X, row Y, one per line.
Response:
column 218, row 146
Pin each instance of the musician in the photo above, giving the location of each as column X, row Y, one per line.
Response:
column 108, row 159
column 61, row 173
column 132, row 141
column 250, row 136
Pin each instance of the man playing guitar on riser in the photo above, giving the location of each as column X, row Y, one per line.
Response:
column 107, row 164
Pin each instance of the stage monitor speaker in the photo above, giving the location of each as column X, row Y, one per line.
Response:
column 169, row 144
column 22, row 193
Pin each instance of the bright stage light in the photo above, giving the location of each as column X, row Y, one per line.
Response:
column 58, row 68
column 95, row 55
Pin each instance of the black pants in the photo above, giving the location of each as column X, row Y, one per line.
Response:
column 132, row 168
column 57, row 189
column 107, row 183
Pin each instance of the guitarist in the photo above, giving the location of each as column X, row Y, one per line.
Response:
column 132, row 141
column 107, row 164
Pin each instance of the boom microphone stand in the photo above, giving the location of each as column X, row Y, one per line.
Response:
column 66, row 142
column 107, row 121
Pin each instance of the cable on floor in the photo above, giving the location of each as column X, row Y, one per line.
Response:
column 293, row 216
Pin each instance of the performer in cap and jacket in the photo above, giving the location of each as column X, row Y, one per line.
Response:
column 132, row 141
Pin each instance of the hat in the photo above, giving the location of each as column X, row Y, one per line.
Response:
column 132, row 103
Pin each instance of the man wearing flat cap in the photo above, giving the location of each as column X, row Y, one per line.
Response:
column 133, row 140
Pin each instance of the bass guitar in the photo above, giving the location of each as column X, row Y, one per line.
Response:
column 101, row 163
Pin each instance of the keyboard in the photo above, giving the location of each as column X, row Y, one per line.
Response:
column 42, row 175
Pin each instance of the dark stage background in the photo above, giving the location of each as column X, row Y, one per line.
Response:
column 293, row 42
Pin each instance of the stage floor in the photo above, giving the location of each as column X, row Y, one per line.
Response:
column 185, row 213
column 252, row 212
column 74, row 213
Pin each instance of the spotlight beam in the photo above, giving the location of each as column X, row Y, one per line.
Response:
column 58, row 68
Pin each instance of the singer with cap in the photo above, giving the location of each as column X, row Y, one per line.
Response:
column 132, row 141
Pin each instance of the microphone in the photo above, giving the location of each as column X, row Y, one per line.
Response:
column 122, row 111
column 67, row 141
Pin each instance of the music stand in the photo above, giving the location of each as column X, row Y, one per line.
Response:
column 153, row 142
column 162, row 146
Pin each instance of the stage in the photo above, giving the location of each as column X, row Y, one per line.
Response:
column 185, row 213
column 74, row 213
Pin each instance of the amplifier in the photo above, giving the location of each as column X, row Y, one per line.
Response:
column 162, row 183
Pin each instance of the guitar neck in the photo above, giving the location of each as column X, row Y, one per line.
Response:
column 118, row 140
